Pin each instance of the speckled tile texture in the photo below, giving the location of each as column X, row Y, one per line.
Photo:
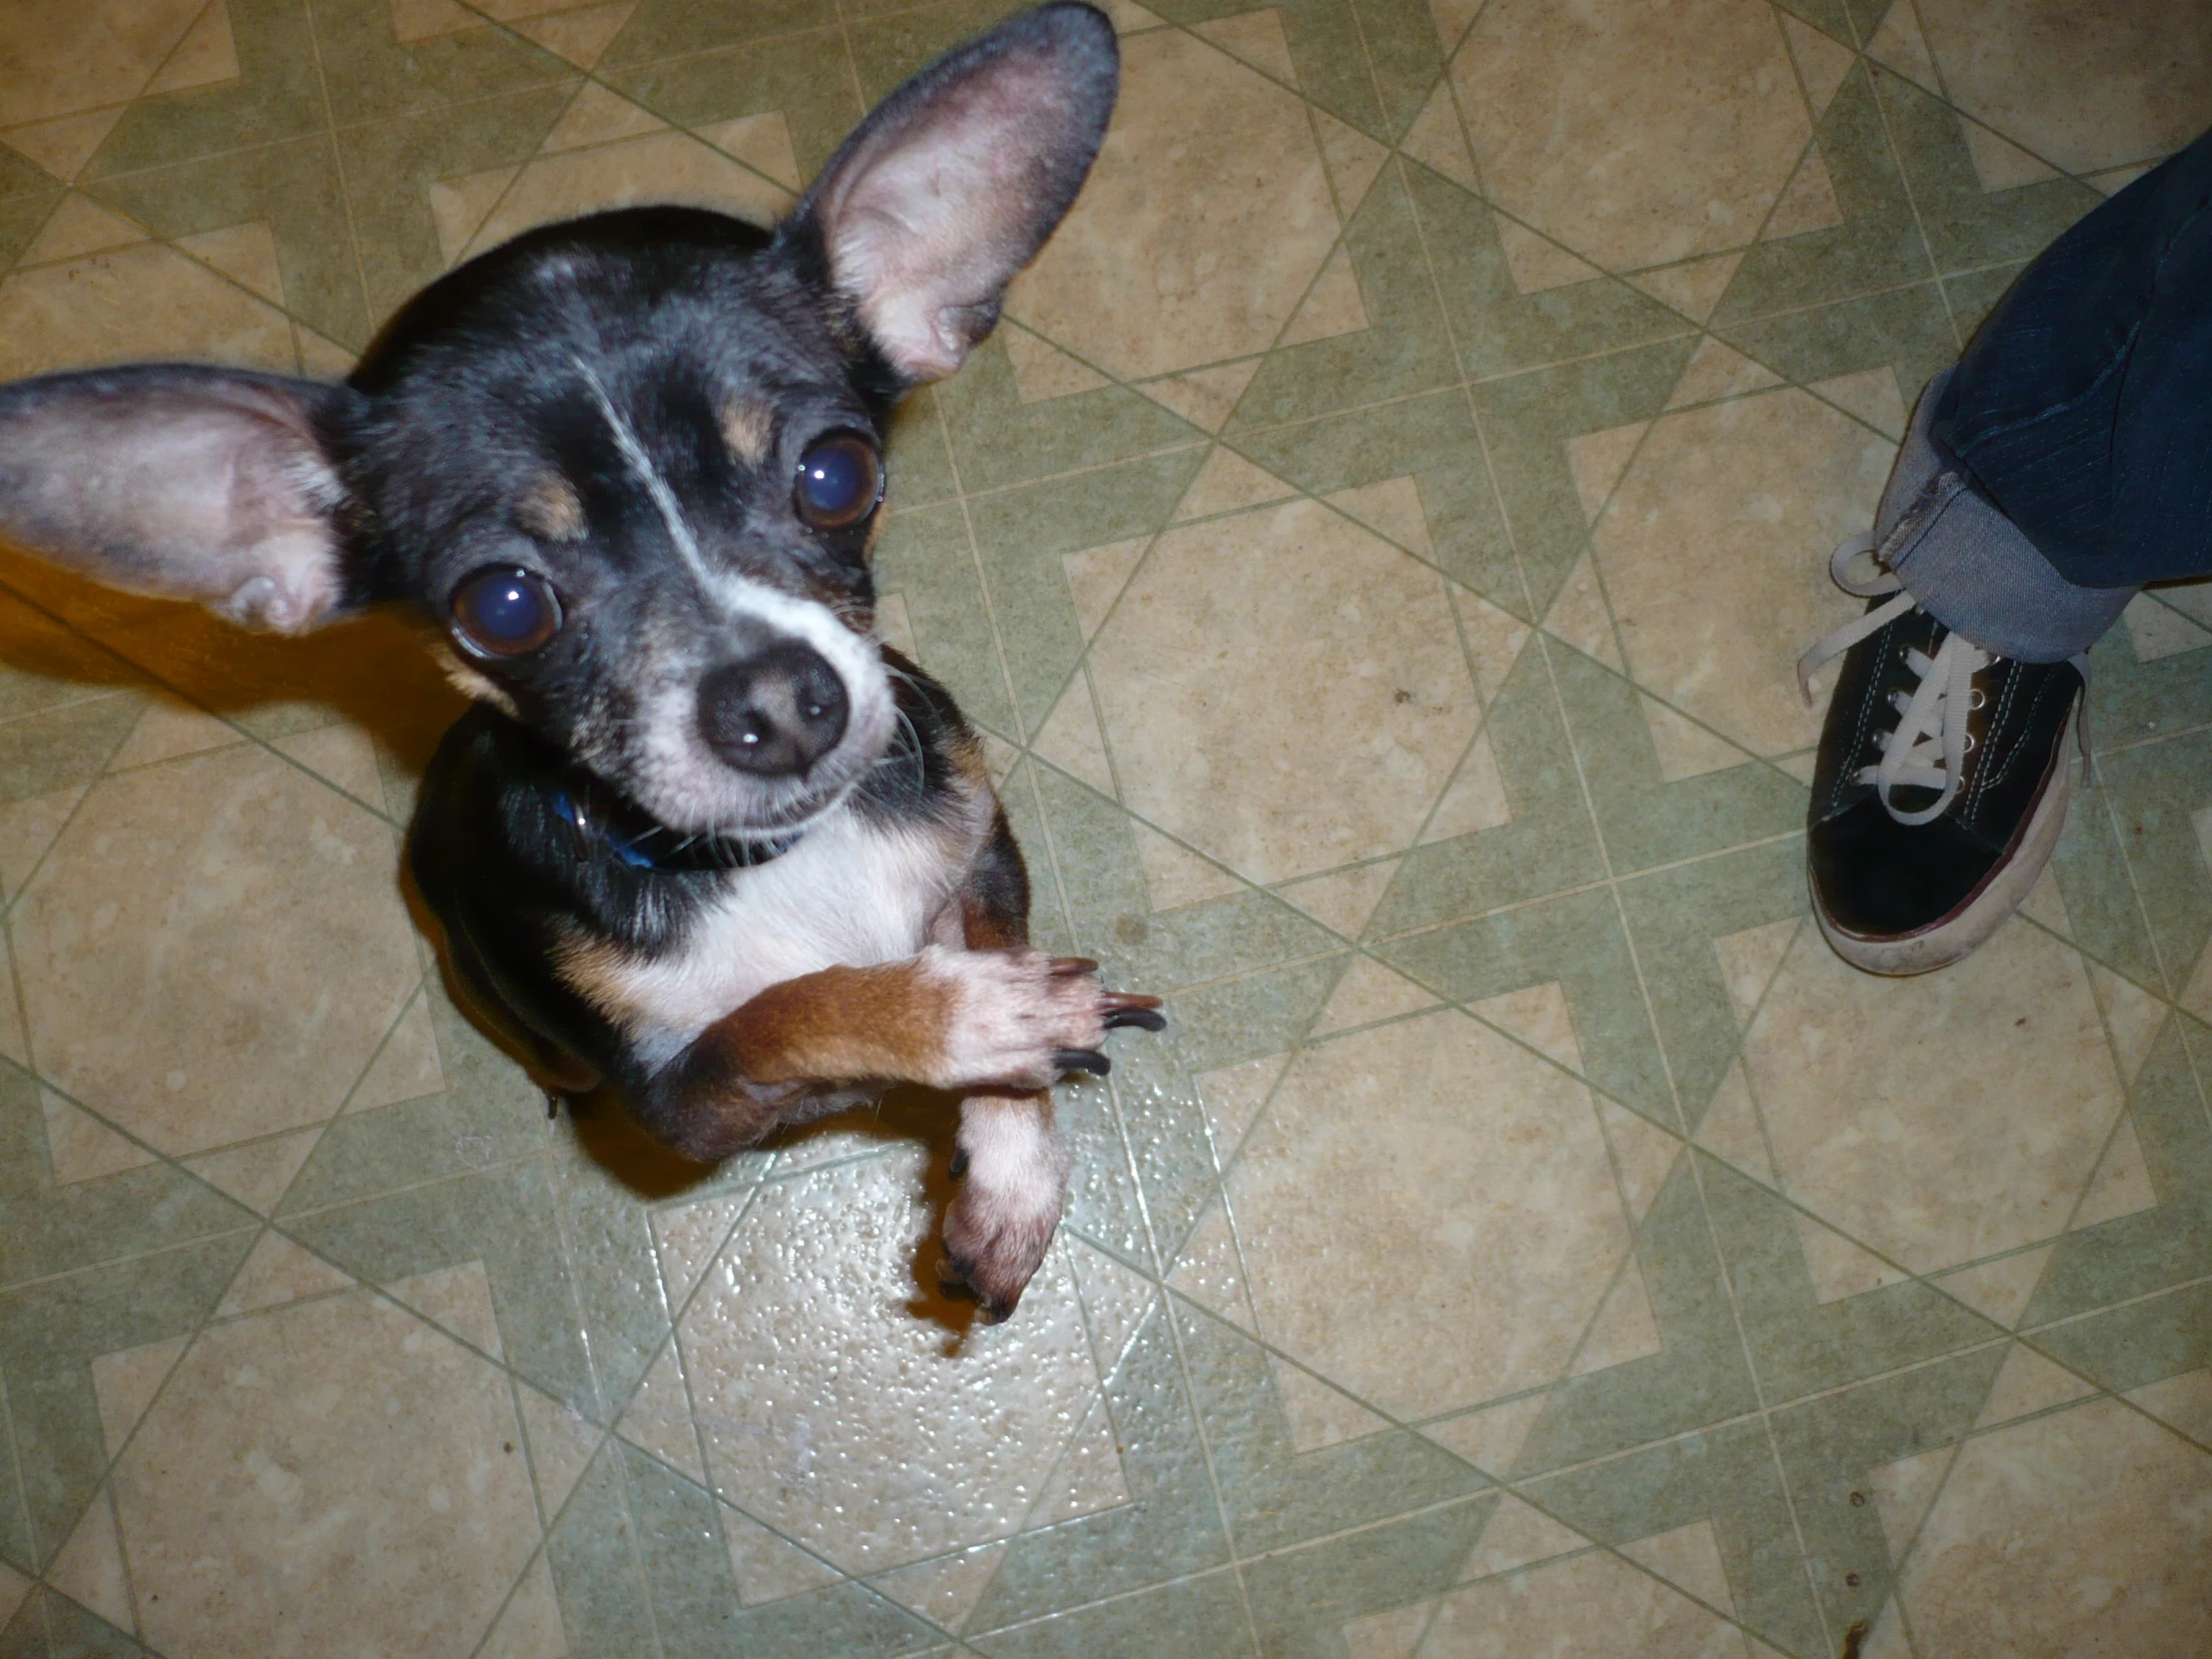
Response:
column 1376, row 543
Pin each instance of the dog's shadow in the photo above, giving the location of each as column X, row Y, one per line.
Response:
column 373, row 673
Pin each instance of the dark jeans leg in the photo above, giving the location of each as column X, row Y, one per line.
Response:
column 2067, row 459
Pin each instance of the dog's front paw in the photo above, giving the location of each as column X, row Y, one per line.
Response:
column 1013, row 1169
column 1022, row 1020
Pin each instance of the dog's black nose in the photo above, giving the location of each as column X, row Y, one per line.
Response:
column 775, row 713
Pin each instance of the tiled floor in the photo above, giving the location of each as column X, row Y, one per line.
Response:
column 1377, row 542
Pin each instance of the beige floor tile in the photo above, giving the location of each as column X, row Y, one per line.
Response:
column 2073, row 1533
column 125, row 1381
column 1492, row 1438
column 1518, row 1535
column 2084, row 85
column 1210, row 1269
column 1207, row 675
column 1636, row 134
column 213, row 949
column 1689, row 1556
column 1205, row 219
column 326, row 1478
column 1318, row 1414
column 1588, row 1604
column 1090, row 1476
column 1715, row 551
column 1946, row 1124
column 89, row 1567
column 69, row 55
column 530, row 1628
column 1385, row 1203
column 141, row 302
column 656, row 167
column 945, row 1590
column 870, row 1443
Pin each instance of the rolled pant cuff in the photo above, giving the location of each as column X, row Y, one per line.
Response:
column 1971, row 568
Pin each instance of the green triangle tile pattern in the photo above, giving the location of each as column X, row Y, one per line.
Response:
column 48, row 1332
column 1647, row 820
column 1527, row 420
column 1966, row 226
column 1172, row 1528
column 1021, row 534
column 1001, row 441
column 1878, row 245
column 295, row 188
column 1576, row 939
column 677, row 28
column 47, row 1230
column 1549, row 846
column 49, row 1623
column 1828, row 1446
column 28, row 199
column 370, row 75
column 1800, row 1346
column 2148, row 1260
column 1728, row 1475
column 1497, row 329
column 1430, row 439
column 1700, row 1375
column 1756, row 1407
column 277, row 96
column 1368, row 62
column 1906, row 328
column 725, row 81
column 1674, row 915
column 1405, row 348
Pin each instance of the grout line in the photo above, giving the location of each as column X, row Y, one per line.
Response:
column 1628, row 934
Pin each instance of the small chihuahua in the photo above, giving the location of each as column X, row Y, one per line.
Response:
column 702, row 835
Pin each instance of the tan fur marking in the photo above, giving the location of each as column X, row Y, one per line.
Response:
column 843, row 1024
column 469, row 683
column 748, row 428
column 551, row 508
column 592, row 967
column 965, row 752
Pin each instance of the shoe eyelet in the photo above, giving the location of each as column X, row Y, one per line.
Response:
column 1978, row 698
column 1969, row 750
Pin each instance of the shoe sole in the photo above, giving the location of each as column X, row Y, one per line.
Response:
column 2007, row 887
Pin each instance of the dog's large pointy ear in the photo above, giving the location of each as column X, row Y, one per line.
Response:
column 182, row 481
column 952, row 184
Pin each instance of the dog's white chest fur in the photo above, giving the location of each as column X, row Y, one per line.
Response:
column 853, row 893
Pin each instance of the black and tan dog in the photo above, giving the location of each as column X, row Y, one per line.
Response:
column 702, row 835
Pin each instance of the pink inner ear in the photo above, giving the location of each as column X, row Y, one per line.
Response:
column 182, row 491
column 933, row 219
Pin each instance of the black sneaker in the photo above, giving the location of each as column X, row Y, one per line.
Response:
column 1941, row 783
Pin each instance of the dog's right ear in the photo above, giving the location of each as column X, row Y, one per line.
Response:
column 184, row 482
column 954, row 182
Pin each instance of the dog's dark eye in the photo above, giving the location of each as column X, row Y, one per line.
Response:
column 505, row 612
column 840, row 482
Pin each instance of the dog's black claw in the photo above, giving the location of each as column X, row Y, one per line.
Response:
column 958, row 1166
column 955, row 1283
column 1143, row 1019
column 1083, row 1059
column 552, row 1104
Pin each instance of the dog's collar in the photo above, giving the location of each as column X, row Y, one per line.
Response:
column 643, row 843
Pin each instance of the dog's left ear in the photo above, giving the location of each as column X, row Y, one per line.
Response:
column 215, row 485
column 952, row 184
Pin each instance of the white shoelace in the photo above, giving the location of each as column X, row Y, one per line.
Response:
column 1930, row 746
